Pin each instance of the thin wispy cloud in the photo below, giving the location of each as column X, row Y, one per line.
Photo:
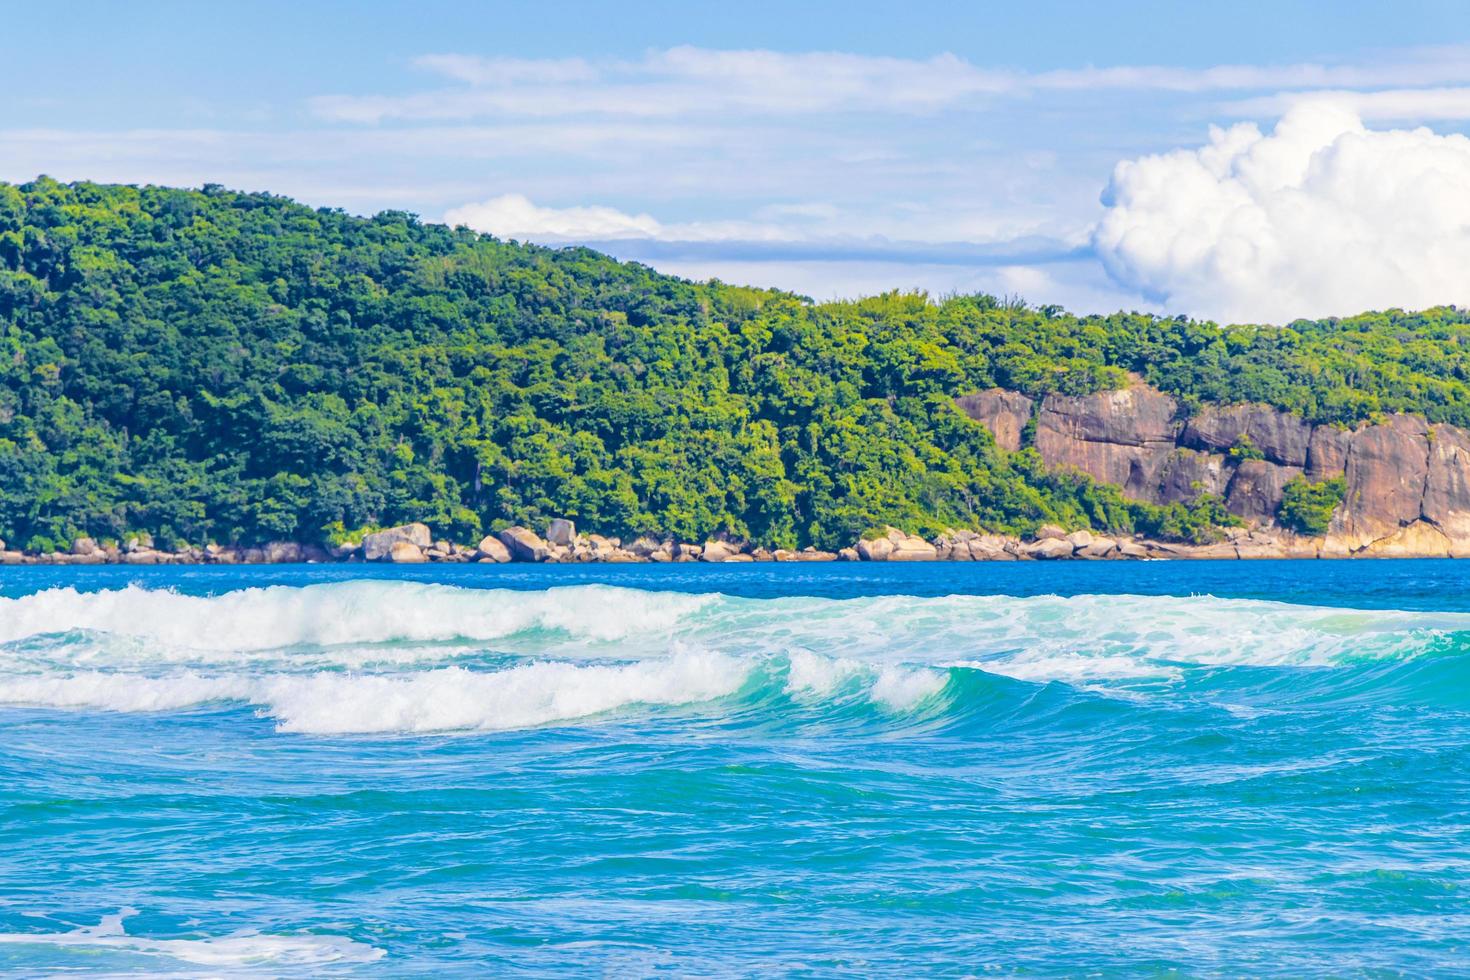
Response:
column 1384, row 105
column 688, row 80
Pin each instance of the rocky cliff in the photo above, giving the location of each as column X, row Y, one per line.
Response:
column 1408, row 482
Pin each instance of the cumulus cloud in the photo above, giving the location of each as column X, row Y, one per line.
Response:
column 514, row 216
column 1322, row 216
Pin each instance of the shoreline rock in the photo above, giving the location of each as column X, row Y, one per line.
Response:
column 413, row 544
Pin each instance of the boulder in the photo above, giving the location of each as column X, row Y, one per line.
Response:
column 1049, row 549
column 877, row 549
column 405, row 553
column 523, row 544
column 914, row 549
column 1097, row 548
column 601, row 547
column 1079, row 539
column 376, row 546
column 1004, row 413
column 561, row 531
column 1132, row 549
column 646, row 545
column 282, row 552
column 81, row 546
column 491, row 548
column 848, row 554
column 715, row 551
column 688, row 552
column 993, row 547
column 138, row 542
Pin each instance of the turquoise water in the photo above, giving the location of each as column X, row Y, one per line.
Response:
column 1209, row 768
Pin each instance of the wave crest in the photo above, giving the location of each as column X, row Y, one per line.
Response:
column 385, row 657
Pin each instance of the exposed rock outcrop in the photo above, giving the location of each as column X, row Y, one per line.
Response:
column 1005, row 414
column 1122, row 437
column 1400, row 472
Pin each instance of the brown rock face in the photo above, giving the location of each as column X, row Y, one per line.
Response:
column 1417, row 540
column 1122, row 437
column 1400, row 473
column 1188, row 473
column 1327, row 453
column 1004, row 413
column 1447, row 485
column 1257, row 488
column 1281, row 437
column 1387, row 469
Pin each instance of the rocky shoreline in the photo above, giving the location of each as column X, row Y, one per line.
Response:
column 561, row 543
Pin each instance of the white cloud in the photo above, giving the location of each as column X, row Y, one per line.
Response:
column 809, row 229
column 501, row 71
column 1385, row 105
column 688, row 81
column 1322, row 216
column 514, row 216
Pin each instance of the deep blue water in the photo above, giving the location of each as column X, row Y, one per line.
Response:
column 1086, row 768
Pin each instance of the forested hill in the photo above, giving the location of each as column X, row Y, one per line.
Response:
column 217, row 366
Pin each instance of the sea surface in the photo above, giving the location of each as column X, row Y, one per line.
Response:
column 1193, row 768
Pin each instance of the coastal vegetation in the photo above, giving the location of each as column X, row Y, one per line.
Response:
column 207, row 365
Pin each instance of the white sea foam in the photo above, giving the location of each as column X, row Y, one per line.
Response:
column 438, row 700
column 344, row 613
column 366, row 657
column 240, row 949
column 815, row 678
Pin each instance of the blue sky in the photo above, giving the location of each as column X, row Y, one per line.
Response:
column 1100, row 156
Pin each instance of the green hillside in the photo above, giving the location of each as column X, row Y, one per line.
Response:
column 211, row 365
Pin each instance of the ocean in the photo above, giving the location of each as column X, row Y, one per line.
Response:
column 1091, row 768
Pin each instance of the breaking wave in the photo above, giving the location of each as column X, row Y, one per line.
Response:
column 394, row 657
